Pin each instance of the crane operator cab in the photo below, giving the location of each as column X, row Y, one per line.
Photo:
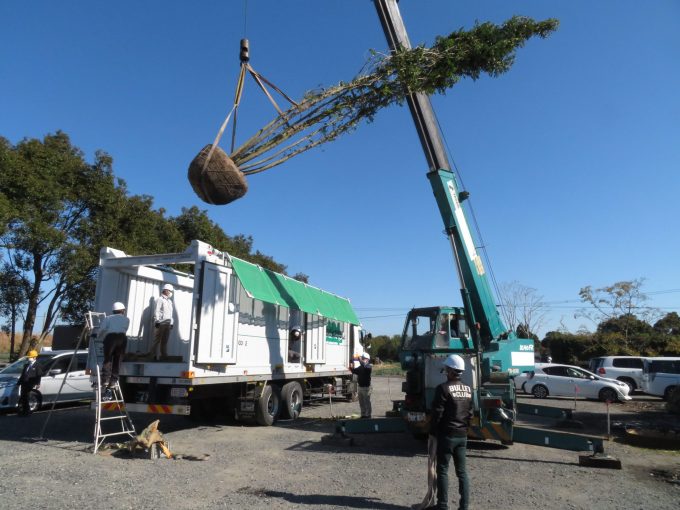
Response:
column 433, row 329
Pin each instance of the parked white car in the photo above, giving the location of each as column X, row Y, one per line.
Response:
column 552, row 379
column 76, row 384
column 661, row 376
column 626, row 369
column 521, row 379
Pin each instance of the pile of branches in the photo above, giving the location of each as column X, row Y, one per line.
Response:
column 323, row 115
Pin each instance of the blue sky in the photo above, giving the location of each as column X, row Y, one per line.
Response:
column 572, row 158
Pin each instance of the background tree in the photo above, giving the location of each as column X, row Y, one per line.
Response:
column 623, row 300
column 668, row 324
column 523, row 308
column 13, row 296
column 55, row 195
column 58, row 210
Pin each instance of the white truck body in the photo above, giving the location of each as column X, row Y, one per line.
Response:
column 231, row 326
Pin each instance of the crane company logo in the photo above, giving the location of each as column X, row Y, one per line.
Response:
column 526, row 347
column 334, row 332
column 460, row 391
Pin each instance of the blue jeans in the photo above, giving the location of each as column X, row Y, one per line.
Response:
column 448, row 447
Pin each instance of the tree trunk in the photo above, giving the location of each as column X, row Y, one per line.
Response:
column 32, row 310
column 12, row 334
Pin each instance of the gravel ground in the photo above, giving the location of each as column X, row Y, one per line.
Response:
column 226, row 465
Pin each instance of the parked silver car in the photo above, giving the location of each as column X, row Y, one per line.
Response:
column 553, row 379
column 626, row 369
column 55, row 365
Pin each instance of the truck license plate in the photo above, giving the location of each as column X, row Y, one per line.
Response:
column 247, row 406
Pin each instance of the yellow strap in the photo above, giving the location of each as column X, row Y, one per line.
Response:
column 237, row 99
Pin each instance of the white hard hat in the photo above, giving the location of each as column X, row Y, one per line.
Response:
column 118, row 306
column 365, row 355
column 168, row 286
column 456, row 362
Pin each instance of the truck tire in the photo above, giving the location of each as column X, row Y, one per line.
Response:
column 292, row 397
column 268, row 406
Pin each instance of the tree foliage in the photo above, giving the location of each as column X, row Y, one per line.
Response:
column 623, row 327
column 385, row 347
column 622, row 301
column 323, row 115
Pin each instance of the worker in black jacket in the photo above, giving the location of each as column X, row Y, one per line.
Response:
column 29, row 379
column 451, row 414
column 363, row 373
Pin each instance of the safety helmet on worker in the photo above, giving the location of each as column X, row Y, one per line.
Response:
column 118, row 306
column 32, row 354
column 455, row 362
column 168, row 286
column 364, row 355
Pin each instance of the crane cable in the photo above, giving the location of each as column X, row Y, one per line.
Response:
column 244, row 57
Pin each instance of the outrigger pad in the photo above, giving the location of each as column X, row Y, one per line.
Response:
column 599, row 461
column 221, row 182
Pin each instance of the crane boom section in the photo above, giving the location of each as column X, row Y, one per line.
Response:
column 470, row 267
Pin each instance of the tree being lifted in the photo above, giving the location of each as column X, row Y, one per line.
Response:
column 324, row 114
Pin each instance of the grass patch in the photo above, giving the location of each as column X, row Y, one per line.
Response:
column 388, row 368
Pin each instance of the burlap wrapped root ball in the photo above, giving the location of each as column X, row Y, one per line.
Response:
column 221, row 182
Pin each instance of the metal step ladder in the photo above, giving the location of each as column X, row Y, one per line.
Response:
column 111, row 416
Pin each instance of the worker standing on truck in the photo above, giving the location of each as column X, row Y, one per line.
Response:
column 451, row 414
column 113, row 333
column 28, row 380
column 163, row 321
column 363, row 373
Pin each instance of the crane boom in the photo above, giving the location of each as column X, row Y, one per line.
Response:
column 476, row 292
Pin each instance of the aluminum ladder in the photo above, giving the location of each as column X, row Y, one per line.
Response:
column 111, row 416
column 110, row 411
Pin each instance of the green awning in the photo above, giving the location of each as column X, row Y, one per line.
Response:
column 279, row 289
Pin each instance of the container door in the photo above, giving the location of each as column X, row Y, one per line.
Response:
column 217, row 320
column 315, row 340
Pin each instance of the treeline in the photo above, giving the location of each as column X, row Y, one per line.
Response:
column 57, row 210
column 384, row 347
column 625, row 335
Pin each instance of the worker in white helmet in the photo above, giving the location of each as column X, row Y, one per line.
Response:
column 451, row 415
column 113, row 332
column 163, row 321
column 363, row 373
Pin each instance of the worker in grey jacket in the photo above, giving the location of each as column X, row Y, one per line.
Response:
column 451, row 415
column 163, row 321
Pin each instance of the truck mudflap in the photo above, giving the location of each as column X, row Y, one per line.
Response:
column 183, row 410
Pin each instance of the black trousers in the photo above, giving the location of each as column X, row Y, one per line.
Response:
column 24, row 390
column 114, row 349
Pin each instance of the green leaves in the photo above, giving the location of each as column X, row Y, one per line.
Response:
column 58, row 211
column 325, row 114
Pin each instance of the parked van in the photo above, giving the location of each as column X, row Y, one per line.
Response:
column 626, row 369
column 661, row 376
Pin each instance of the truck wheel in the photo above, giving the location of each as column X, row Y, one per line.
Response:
column 292, row 397
column 268, row 406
